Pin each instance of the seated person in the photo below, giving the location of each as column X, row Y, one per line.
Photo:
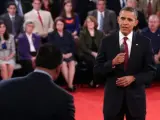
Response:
column 28, row 45
column 7, row 52
column 153, row 33
column 89, row 41
column 64, row 41
column 72, row 22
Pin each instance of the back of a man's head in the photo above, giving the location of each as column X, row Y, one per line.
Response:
column 48, row 57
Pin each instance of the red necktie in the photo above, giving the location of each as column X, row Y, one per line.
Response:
column 149, row 8
column 40, row 18
column 126, row 51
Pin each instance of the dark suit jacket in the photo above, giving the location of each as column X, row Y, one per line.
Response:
column 24, row 47
column 18, row 23
column 140, row 65
column 85, row 41
column 26, row 5
column 114, row 5
column 66, row 43
column 34, row 97
column 110, row 20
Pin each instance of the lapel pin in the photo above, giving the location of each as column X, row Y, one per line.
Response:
column 158, row 34
column 136, row 44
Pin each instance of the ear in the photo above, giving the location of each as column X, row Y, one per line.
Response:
column 136, row 22
column 118, row 19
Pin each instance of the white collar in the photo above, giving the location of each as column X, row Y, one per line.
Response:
column 129, row 36
column 29, row 35
column 11, row 15
column 36, row 11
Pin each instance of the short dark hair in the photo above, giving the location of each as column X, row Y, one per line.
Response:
column 130, row 9
column 48, row 56
column 11, row 3
column 6, row 34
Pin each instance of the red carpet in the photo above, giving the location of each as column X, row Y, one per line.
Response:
column 89, row 102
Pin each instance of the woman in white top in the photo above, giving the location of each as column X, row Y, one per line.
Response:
column 7, row 52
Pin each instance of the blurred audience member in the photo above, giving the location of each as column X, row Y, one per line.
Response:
column 23, row 6
column 142, row 23
column 13, row 21
column 149, row 6
column 42, row 19
column 63, row 40
column 116, row 5
column 48, row 6
column 72, row 22
column 28, row 45
column 90, row 39
column 107, row 21
column 7, row 52
column 153, row 33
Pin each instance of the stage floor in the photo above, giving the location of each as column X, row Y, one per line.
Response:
column 89, row 102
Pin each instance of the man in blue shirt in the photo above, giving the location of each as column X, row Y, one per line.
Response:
column 153, row 33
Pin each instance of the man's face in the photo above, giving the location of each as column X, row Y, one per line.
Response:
column 36, row 4
column 29, row 28
column 127, row 21
column 131, row 3
column 153, row 23
column 101, row 6
column 11, row 9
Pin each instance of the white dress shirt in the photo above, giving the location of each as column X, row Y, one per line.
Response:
column 129, row 41
column 99, row 18
column 32, row 48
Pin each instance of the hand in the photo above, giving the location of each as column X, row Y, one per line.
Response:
column 156, row 59
column 74, row 33
column 94, row 54
column 125, row 81
column 118, row 59
column 6, row 58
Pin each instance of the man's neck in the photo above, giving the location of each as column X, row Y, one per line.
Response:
column 153, row 30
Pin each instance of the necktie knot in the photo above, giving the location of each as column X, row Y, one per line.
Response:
column 125, row 39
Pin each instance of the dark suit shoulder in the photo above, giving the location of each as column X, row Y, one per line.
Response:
column 110, row 38
column 110, row 11
column 91, row 12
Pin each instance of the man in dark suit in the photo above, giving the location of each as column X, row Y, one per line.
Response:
column 36, row 96
column 23, row 6
column 13, row 21
column 126, row 60
column 107, row 21
column 116, row 5
column 142, row 23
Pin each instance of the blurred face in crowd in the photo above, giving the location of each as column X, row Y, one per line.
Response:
column 11, row 9
column 127, row 21
column 90, row 24
column 29, row 28
column 68, row 7
column 101, row 5
column 132, row 3
column 153, row 23
column 59, row 26
column 2, row 29
column 36, row 4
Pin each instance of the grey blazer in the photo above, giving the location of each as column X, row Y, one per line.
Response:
column 110, row 20
column 10, row 47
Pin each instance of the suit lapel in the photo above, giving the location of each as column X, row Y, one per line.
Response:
column 133, row 50
column 27, row 41
column 9, row 20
